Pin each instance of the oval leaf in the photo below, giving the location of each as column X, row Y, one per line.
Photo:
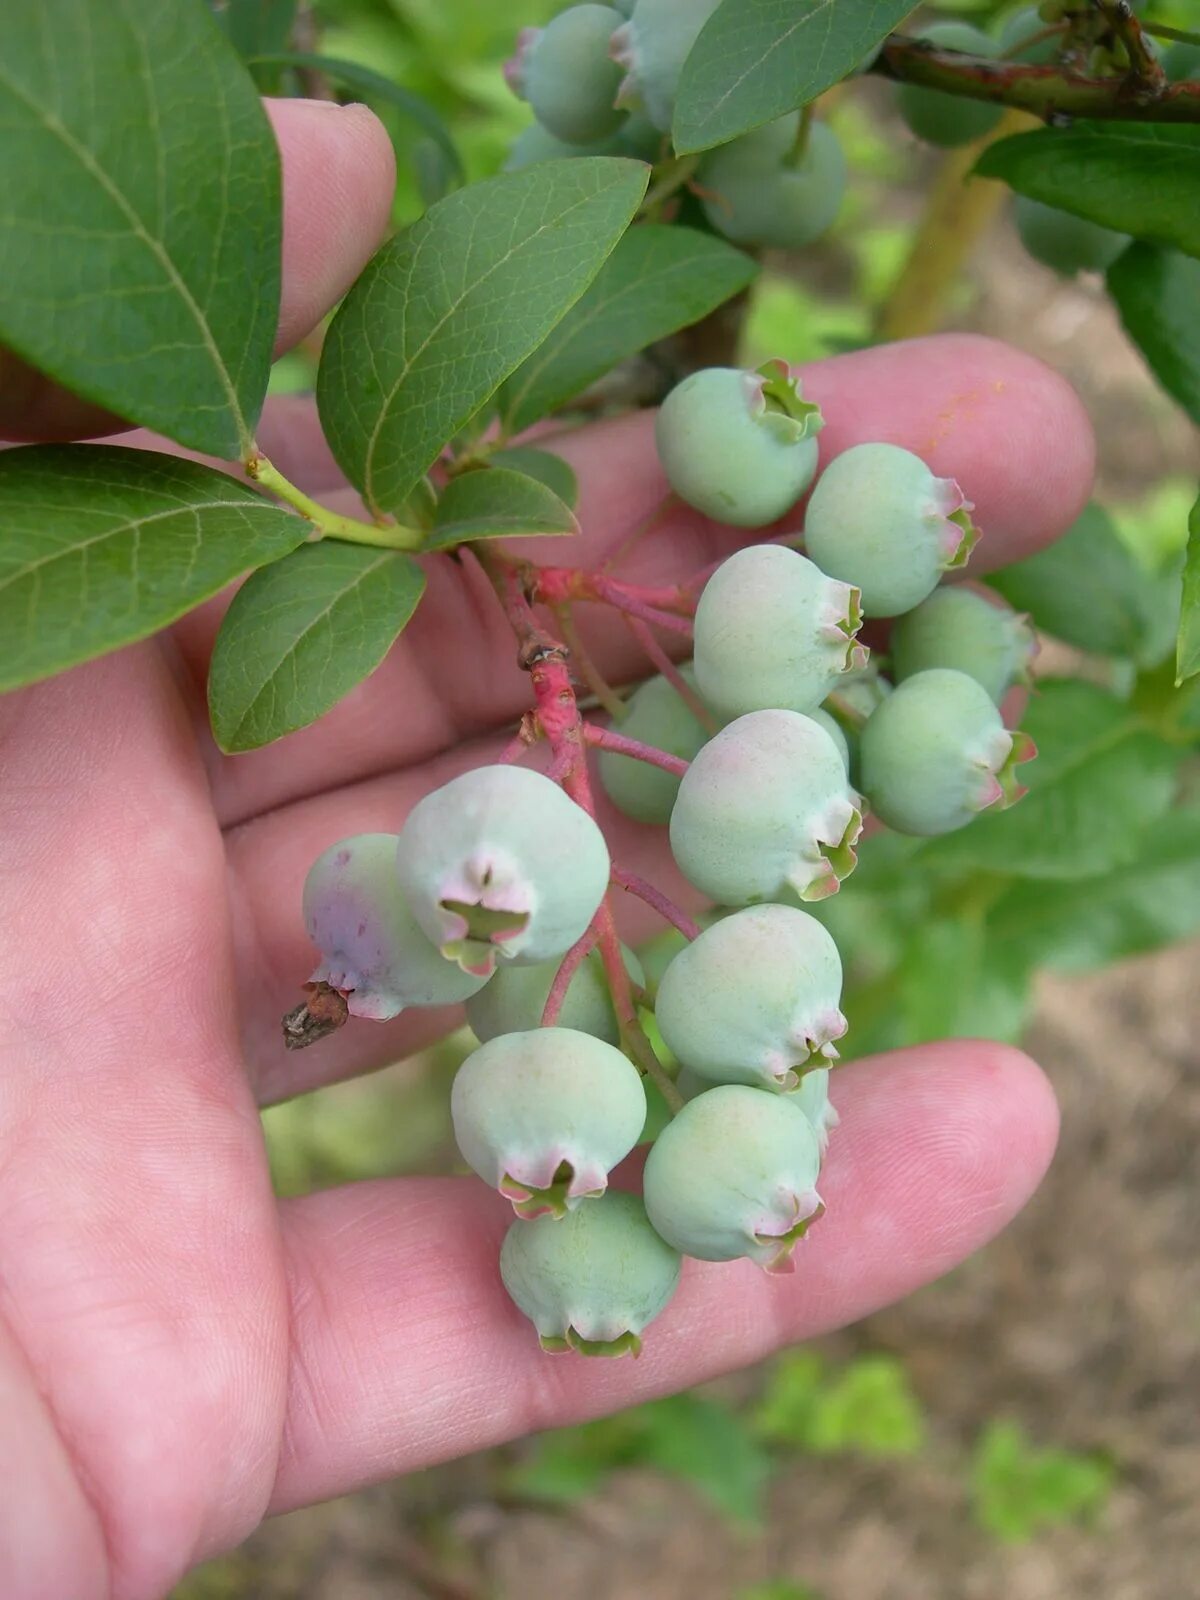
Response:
column 301, row 634
column 139, row 214
column 100, row 546
column 558, row 475
column 657, row 280
column 1141, row 178
column 496, row 503
column 1158, row 295
column 757, row 59
column 448, row 308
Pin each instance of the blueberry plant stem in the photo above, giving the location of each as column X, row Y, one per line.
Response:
column 326, row 523
column 657, row 901
column 608, row 739
column 599, row 685
column 569, row 966
column 661, row 660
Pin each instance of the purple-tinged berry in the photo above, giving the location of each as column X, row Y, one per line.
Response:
column 774, row 633
column 735, row 1174
column 936, row 753
column 655, row 715
column 514, row 999
column 372, row 948
column 499, row 863
column 766, row 807
column 567, row 75
column 961, row 629
column 755, row 999
column 593, row 1280
column 880, row 520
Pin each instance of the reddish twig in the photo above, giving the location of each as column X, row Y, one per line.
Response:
column 588, row 670
column 659, row 658
column 607, row 739
column 569, row 966
column 657, row 900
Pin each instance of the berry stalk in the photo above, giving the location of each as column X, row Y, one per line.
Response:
column 607, row 739
column 657, row 900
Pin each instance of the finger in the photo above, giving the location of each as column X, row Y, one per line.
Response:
column 406, row 1349
column 1008, row 428
column 338, row 178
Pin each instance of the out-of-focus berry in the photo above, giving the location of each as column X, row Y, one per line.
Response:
column 652, row 47
column 958, row 628
column 656, row 715
column 949, row 119
column 565, row 72
column 756, row 191
column 514, row 999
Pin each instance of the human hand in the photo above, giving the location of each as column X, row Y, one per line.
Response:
column 180, row 1355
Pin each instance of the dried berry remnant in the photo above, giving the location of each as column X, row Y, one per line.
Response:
column 514, row 998
column 755, row 999
column 735, row 1174
column 656, row 715
column 652, row 47
column 935, row 753
column 739, row 446
column 544, row 1116
column 567, row 75
column 593, row 1280
column 373, row 950
column 766, row 807
column 500, row 864
column 770, row 189
column 879, row 519
column 774, row 633
column 958, row 628
column 949, row 119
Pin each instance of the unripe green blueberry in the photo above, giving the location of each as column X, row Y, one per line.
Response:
column 812, row 1097
column 764, row 807
column 1182, row 62
column 545, row 1115
column 535, row 143
column 656, row 715
column 593, row 1280
column 948, row 119
column 833, row 728
column 1024, row 24
column 1064, row 243
column 500, row 863
column 958, row 628
column 652, row 47
column 372, row 947
column 879, row 519
column 756, row 194
column 514, row 999
column 936, row 753
column 735, row 1174
column 774, row 633
column 739, row 446
column 755, row 999
column 565, row 72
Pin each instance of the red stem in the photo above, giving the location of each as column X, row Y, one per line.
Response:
column 606, row 739
column 655, row 898
column 571, row 964
column 660, row 659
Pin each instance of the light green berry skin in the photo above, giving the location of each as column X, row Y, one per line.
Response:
column 755, row 999
column 931, row 751
column 812, row 1097
column 507, row 839
column 652, row 47
column 753, row 195
column 635, row 138
column 1064, row 243
column 849, row 706
column 772, row 632
column 591, row 1281
column 734, row 1174
column 514, row 999
column 656, row 715
column 728, row 453
column 833, row 728
column 958, row 628
column 880, row 520
column 1023, row 24
column 944, row 119
column 568, row 76
column 372, row 947
column 766, row 806
column 524, row 1103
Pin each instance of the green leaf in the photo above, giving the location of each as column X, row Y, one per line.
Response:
column 302, row 633
column 100, row 546
column 657, row 280
column 1141, row 178
column 558, row 475
column 1157, row 293
column 451, row 306
column 757, row 59
column 951, row 984
column 1187, row 657
column 866, row 1408
column 256, row 28
column 139, row 214
column 1100, row 778
column 375, row 85
column 712, row 1448
column 1088, row 590
column 496, row 503
column 1151, row 902
column 1018, row 1488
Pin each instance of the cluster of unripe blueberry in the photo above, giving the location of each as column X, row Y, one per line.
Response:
column 492, row 889
column 602, row 79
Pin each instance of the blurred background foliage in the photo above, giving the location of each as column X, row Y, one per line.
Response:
column 952, row 948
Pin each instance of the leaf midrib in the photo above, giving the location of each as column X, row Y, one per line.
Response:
column 782, row 38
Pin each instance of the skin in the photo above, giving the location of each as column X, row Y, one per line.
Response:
column 181, row 1355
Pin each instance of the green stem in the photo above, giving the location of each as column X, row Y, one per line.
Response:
column 1160, row 30
column 674, row 175
column 800, row 144
column 330, row 524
